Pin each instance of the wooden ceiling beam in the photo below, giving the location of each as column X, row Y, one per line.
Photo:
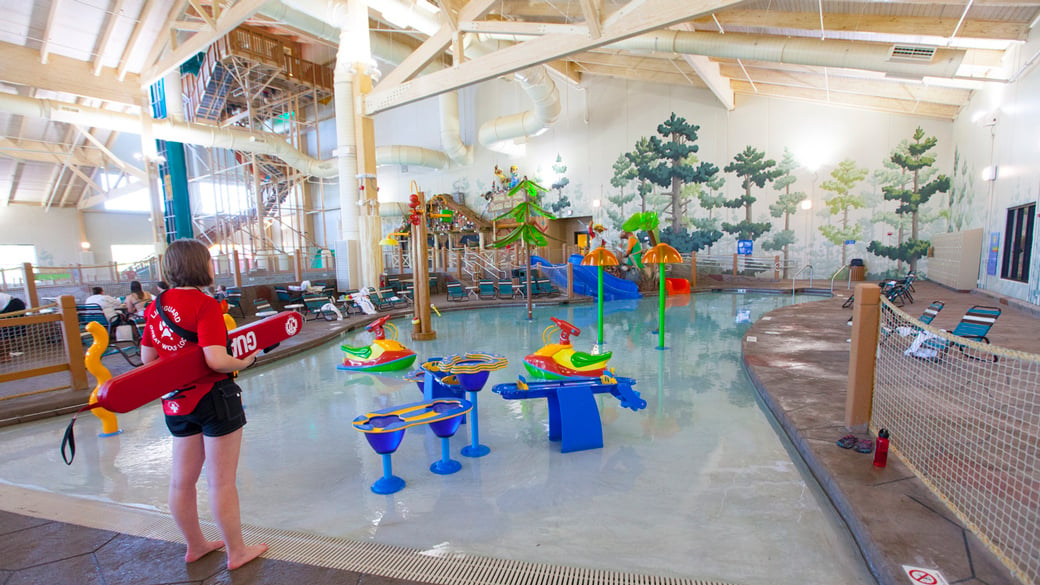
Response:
column 43, row 152
column 591, row 9
column 637, row 17
column 879, row 104
column 862, row 86
column 63, row 74
column 147, row 10
column 48, row 30
column 229, row 19
column 641, row 75
column 760, row 21
column 99, row 55
column 434, row 46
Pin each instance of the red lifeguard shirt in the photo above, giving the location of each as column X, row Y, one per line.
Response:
column 192, row 310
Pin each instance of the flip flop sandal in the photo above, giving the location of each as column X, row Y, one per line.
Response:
column 865, row 446
column 848, row 441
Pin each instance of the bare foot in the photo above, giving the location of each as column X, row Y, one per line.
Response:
column 251, row 552
column 197, row 553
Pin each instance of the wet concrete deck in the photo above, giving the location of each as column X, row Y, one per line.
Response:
column 893, row 517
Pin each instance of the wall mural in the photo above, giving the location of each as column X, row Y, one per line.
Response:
column 890, row 208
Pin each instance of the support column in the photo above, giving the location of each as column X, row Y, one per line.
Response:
column 866, row 313
column 369, row 227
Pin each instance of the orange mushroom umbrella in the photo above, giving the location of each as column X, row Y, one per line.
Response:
column 599, row 258
column 661, row 254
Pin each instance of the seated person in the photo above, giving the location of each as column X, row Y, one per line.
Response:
column 107, row 303
column 8, row 335
column 9, row 304
column 137, row 300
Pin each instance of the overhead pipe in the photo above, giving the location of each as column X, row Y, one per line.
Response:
column 412, row 155
column 536, row 83
column 794, row 50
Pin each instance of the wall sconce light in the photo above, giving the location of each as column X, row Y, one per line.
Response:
column 990, row 173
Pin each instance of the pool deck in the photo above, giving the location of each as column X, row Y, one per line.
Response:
column 892, row 516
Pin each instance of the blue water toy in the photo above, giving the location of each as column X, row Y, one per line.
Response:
column 384, row 430
column 573, row 414
column 470, row 372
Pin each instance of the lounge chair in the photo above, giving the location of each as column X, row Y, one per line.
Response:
column 927, row 317
column 262, row 308
column 129, row 350
column 316, row 304
column 486, row 289
column 931, row 311
column 234, row 301
column 506, row 290
column 456, row 292
column 974, row 326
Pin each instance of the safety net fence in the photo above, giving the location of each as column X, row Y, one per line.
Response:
column 965, row 416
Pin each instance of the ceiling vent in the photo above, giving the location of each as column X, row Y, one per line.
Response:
column 912, row 53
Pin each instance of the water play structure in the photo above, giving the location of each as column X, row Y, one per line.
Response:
column 384, row 429
column 574, row 418
column 382, row 355
column 585, row 282
column 559, row 361
column 467, row 372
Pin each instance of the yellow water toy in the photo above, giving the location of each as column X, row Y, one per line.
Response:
column 559, row 361
column 383, row 355
column 109, row 423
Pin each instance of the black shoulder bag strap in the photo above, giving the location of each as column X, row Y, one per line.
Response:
column 180, row 331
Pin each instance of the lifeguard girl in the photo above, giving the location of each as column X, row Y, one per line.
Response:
column 205, row 417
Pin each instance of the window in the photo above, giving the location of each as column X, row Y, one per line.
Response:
column 1018, row 242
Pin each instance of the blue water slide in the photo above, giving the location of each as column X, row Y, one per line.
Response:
column 585, row 282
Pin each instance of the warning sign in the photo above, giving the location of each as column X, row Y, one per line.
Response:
column 919, row 576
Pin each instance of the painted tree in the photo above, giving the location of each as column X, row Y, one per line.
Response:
column 711, row 198
column 672, row 150
column 562, row 201
column 916, row 161
column 624, row 173
column 642, row 158
column 891, row 175
column 527, row 231
column 786, row 205
column 754, row 169
column 843, row 178
column 962, row 192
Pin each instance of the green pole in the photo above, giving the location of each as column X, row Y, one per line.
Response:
column 599, row 302
column 660, row 308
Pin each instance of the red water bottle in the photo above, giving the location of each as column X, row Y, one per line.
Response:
column 881, row 451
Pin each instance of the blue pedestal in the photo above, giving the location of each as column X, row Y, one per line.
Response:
column 389, row 483
column 474, row 449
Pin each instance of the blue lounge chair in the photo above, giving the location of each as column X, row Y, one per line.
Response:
column 456, row 292
column 974, row 326
column 486, row 289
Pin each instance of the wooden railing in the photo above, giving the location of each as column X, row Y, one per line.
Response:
column 27, row 335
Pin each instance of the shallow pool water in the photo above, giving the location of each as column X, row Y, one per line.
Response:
column 700, row 484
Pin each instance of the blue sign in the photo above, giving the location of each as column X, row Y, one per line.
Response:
column 850, row 242
column 744, row 247
column 994, row 250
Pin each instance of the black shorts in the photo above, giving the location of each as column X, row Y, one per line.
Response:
column 219, row 413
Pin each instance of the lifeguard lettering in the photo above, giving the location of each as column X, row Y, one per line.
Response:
column 243, row 344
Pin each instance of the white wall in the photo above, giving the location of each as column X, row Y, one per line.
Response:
column 1012, row 144
column 54, row 232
